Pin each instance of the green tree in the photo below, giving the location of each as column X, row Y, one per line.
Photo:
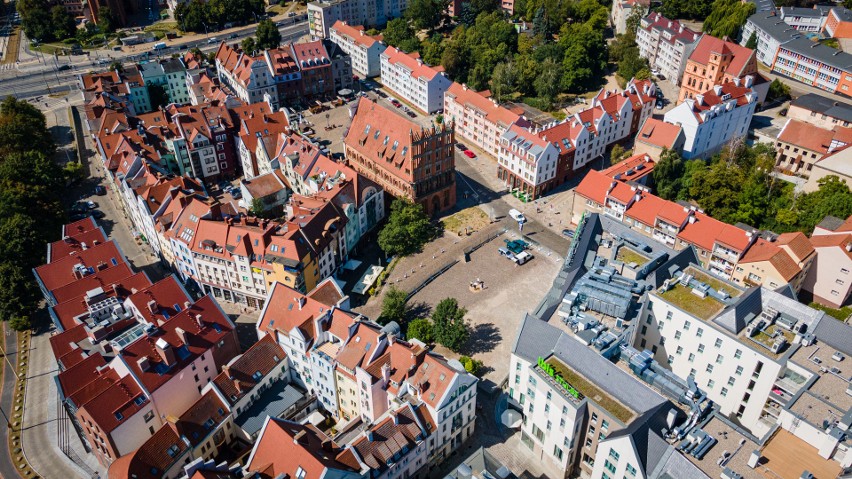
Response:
column 425, row 14
column 421, row 329
column 727, row 17
column 547, row 85
column 393, row 306
column 585, row 57
column 449, row 325
column 267, row 35
column 667, row 175
column 74, row 171
column 752, row 41
column 632, row 63
column 833, row 198
column 36, row 19
column 407, row 230
column 22, row 128
column 106, row 20
column 249, row 45
column 116, row 66
column 618, row 153
column 778, row 90
column 63, row 24
column 399, row 33
column 158, row 95
column 432, row 49
column 504, row 80
column 471, row 365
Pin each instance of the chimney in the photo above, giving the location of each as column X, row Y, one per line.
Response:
column 183, row 335
column 165, row 350
column 749, row 81
column 237, row 385
column 300, row 438
column 718, row 89
column 370, row 435
column 302, row 301
column 152, row 306
column 186, row 304
column 395, row 416
column 699, row 99
column 144, row 363
column 386, row 372
column 199, row 321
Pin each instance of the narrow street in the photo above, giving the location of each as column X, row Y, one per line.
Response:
column 7, row 467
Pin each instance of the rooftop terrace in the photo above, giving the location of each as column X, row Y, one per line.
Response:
column 729, row 440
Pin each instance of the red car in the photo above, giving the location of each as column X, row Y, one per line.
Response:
column 396, row 103
column 469, row 154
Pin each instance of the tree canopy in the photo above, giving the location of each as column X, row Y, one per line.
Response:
column 727, row 17
column 44, row 21
column 31, row 211
column 194, row 15
column 686, row 9
column 407, row 230
column 393, row 306
column 267, row 35
column 449, row 327
column 421, row 329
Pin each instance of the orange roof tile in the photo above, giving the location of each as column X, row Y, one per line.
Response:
column 659, row 133
column 763, row 250
column 807, row 136
column 595, row 186
column 355, row 33
column 708, row 45
column 413, row 63
column 493, row 112
column 285, row 447
column 798, row 244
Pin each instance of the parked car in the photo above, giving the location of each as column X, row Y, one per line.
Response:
column 461, row 147
column 469, row 154
column 517, row 216
column 212, row 40
column 62, row 68
column 568, row 233
column 516, row 246
column 97, row 214
column 234, row 35
column 411, row 114
column 100, row 190
column 506, row 253
column 659, row 104
column 783, row 112
column 91, row 205
column 522, row 257
column 396, row 103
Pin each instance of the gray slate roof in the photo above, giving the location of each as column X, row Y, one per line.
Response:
column 273, row 402
column 825, row 54
column 763, row 5
column 827, row 106
column 816, row 12
column 834, row 333
column 830, row 223
column 774, row 27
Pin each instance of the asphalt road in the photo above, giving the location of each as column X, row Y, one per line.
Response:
column 49, row 79
column 7, row 468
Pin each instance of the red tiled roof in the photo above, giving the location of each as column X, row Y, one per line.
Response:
column 237, row 378
column 61, row 344
column 168, row 296
column 327, row 292
column 102, row 279
column 677, row 31
column 432, row 378
column 284, row 447
column 798, row 244
column 842, row 241
column 631, row 169
column 595, row 186
column 494, row 113
column 659, row 133
column 705, row 231
column 310, row 55
column 363, row 342
column 80, row 226
column 763, row 250
column 709, row 45
column 622, row 192
column 61, row 271
column 646, row 209
column 115, row 404
column 153, row 458
column 216, row 327
column 195, row 424
column 413, row 63
column 283, row 312
column 401, row 429
column 806, row 136
column 74, row 244
column 355, row 33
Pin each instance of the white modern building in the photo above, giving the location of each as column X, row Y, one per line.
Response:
column 406, row 75
column 714, row 118
column 364, row 50
column 770, row 31
column 806, row 19
column 622, row 9
column 323, row 14
column 667, row 44
column 526, row 161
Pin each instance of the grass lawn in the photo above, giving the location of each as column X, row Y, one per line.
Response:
column 627, row 256
column 160, row 29
column 589, row 390
column 714, row 283
column 682, row 297
column 474, row 218
column 839, row 314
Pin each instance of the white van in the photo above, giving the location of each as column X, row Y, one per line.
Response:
column 159, row 46
column 523, row 257
column 517, row 216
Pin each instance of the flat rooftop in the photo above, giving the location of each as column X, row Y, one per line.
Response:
column 705, row 308
column 830, row 386
column 786, row 457
column 729, row 440
column 583, row 388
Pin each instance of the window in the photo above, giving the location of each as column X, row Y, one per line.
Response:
column 709, row 368
column 739, row 371
column 557, row 453
column 604, row 425
column 711, row 383
column 724, row 392
column 731, row 381
column 738, row 354
column 679, row 350
column 700, row 348
column 609, row 466
column 677, row 334
column 631, row 470
column 691, row 357
column 686, row 325
column 300, row 473
column 699, row 332
column 718, row 343
column 719, row 359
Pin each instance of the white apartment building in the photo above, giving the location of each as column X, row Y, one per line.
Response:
column 621, row 11
column 248, row 77
column 323, row 14
column 806, row 19
column 478, row 118
column 406, row 75
column 364, row 50
column 526, row 161
column 554, row 378
column 667, row 44
column 714, row 118
column 771, row 31
column 734, row 354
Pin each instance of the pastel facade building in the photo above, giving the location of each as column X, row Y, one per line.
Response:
column 715, row 62
column 666, row 44
column 406, row 75
column 364, row 50
column 478, row 118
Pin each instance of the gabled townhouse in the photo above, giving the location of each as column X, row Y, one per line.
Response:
column 478, row 118
column 666, row 44
column 405, row 159
column 259, row 130
column 656, row 136
column 801, row 145
column 289, row 449
column 201, row 433
column 324, row 225
column 269, row 189
column 395, row 446
column 828, row 281
column 286, row 72
column 720, row 247
column 314, row 63
column 364, row 50
column 247, row 76
column 181, row 229
column 714, row 118
column 365, row 344
column 527, row 163
column 77, row 265
column 406, row 75
column 170, row 75
column 715, row 62
column 76, row 236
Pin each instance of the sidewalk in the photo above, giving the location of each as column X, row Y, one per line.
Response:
column 45, row 418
